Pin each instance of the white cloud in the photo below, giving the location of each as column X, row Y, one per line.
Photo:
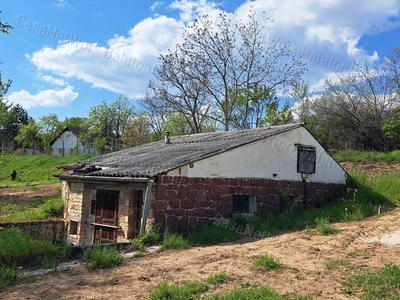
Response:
column 156, row 5
column 325, row 34
column 61, row 3
column 124, row 66
column 52, row 80
column 188, row 9
column 46, row 98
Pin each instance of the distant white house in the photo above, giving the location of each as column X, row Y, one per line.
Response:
column 68, row 143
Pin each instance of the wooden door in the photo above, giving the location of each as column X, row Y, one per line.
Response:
column 105, row 226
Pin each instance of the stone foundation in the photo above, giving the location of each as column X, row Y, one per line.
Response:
column 183, row 204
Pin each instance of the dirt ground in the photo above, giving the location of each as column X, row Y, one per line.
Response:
column 315, row 264
column 22, row 194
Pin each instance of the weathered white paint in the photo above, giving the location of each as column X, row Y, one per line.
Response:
column 272, row 158
column 68, row 141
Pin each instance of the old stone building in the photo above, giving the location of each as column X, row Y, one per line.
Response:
column 186, row 182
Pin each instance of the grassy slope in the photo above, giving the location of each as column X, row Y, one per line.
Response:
column 361, row 156
column 33, row 169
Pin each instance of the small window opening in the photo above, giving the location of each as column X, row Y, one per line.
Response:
column 73, row 227
column 93, row 207
column 243, row 205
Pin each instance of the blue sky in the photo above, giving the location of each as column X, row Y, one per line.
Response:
column 65, row 56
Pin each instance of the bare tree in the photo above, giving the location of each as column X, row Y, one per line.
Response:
column 219, row 64
column 4, row 27
column 354, row 107
column 392, row 64
column 177, row 83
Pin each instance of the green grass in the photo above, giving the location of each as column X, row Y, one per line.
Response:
column 213, row 235
column 362, row 156
column 7, row 275
column 324, row 227
column 256, row 293
column 150, row 238
column 218, row 278
column 267, row 262
column 365, row 195
column 385, row 185
column 173, row 291
column 36, row 209
column 18, row 248
column 174, row 241
column 384, row 284
column 102, row 257
column 195, row 289
column 33, row 169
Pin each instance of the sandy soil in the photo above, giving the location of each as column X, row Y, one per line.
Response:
column 359, row 246
column 315, row 264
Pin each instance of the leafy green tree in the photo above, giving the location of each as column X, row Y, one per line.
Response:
column 250, row 105
column 137, row 132
column 176, row 124
column 274, row 116
column 75, row 122
column 28, row 134
column 49, row 127
column 17, row 116
column 391, row 128
column 108, row 122
column 5, row 108
column 4, row 86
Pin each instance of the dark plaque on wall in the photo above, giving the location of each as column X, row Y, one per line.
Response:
column 306, row 159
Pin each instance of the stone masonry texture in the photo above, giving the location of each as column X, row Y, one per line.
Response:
column 183, row 204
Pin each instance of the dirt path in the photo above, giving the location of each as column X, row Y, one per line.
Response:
column 24, row 194
column 358, row 247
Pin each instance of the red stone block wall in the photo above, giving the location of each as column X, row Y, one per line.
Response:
column 183, row 204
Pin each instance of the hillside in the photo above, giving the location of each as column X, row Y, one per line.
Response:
column 33, row 169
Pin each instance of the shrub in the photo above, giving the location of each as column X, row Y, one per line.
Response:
column 102, row 257
column 267, row 262
column 138, row 244
column 152, row 237
column 7, row 275
column 174, row 241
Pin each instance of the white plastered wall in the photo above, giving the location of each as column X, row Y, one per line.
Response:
column 271, row 158
column 69, row 143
